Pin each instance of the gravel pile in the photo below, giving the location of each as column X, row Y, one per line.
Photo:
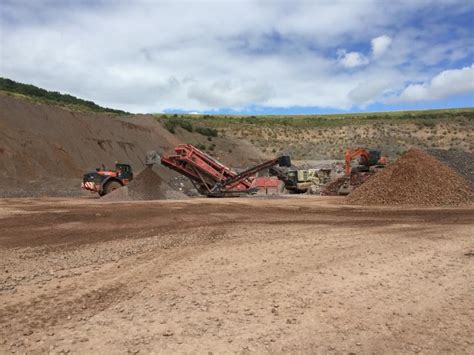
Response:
column 145, row 186
column 460, row 161
column 332, row 188
column 416, row 179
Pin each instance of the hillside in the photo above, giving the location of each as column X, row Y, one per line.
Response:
column 46, row 145
column 45, row 149
column 327, row 136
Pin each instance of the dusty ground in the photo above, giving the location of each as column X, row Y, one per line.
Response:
column 293, row 275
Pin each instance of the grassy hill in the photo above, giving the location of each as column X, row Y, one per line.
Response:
column 327, row 136
column 302, row 136
column 37, row 94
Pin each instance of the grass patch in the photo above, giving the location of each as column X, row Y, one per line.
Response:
column 240, row 122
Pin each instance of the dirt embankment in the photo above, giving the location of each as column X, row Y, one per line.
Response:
column 44, row 149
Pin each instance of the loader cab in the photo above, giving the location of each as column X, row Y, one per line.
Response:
column 124, row 171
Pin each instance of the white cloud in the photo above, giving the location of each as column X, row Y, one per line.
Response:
column 351, row 59
column 367, row 92
column 149, row 56
column 446, row 83
column 356, row 59
column 230, row 94
column 380, row 45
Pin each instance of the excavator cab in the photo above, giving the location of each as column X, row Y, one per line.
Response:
column 374, row 157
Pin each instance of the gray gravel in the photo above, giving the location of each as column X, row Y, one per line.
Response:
column 460, row 161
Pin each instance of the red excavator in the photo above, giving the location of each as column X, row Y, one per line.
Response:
column 368, row 163
column 367, row 160
column 210, row 177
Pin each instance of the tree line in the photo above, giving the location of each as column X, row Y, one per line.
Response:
column 54, row 96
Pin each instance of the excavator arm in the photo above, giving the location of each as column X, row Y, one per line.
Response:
column 352, row 154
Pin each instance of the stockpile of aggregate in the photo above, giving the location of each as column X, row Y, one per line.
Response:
column 460, row 161
column 147, row 185
column 332, row 188
column 416, row 179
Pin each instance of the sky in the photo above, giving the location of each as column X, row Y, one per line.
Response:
column 249, row 57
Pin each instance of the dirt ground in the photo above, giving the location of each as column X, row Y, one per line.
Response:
column 299, row 275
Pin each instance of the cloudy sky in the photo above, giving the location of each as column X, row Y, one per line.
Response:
column 244, row 56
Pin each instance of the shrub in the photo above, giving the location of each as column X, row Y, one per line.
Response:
column 186, row 125
column 171, row 124
column 205, row 131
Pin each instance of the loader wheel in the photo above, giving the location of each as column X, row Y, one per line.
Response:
column 111, row 186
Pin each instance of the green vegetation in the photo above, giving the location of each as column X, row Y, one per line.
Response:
column 201, row 146
column 322, row 121
column 52, row 97
column 171, row 124
column 327, row 136
column 206, row 131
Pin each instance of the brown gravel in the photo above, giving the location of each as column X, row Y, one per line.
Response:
column 234, row 276
column 357, row 179
column 416, row 179
column 331, row 188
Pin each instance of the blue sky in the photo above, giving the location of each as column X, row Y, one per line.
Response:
column 253, row 57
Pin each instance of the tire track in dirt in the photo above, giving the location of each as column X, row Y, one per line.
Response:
column 88, row 294
column 275, row 277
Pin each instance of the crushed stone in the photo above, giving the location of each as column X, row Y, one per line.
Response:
column 416, row 179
